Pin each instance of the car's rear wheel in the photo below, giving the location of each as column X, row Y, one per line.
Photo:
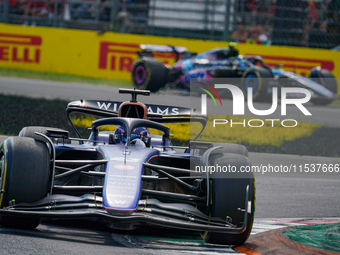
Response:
column 228, row 199
column 226, row 148
column 257, row 79
column 30, row 131
column 327, row 79
column 25, row 171
column 149, row 73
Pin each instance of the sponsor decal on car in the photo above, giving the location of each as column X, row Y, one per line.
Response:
column 199, row 75
column 124, row 167
column 127, row 159
column 164, row 110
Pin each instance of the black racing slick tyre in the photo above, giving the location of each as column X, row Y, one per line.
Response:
column 327, row 79
column 231, row 148
column 149, row 73
column 228, row 199
column 30, row 131
column 257, row 78
column 25, row 170
column 225, row 148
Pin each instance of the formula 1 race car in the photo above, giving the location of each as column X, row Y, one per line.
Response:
column 150, row 73
column 125, row 176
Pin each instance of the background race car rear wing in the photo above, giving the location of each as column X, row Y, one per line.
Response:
column 148, row 50
column 162, row 48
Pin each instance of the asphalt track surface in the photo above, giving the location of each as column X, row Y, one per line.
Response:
column 279, row 195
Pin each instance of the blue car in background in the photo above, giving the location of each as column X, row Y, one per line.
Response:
column 250, row 71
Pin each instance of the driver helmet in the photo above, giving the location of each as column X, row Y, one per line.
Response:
column 137, row 133
column 233, row 51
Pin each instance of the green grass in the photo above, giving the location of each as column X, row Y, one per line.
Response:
column 336, row 102
column 322, row 236
column 7, row 72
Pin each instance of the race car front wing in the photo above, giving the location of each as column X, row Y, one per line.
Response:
column 149, row 212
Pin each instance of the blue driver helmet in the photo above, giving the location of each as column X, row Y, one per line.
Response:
column 120, row 135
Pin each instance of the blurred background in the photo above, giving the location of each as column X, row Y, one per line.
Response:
column 302, row 23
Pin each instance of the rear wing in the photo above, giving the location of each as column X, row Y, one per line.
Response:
column 148, row 50
column 157, row 113
column 162, row 48
column 110, row 109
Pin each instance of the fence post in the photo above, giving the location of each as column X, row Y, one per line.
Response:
column 114, row 11
column 97, row 13
column 6, row 11
column 55, row 14
column 227, row 21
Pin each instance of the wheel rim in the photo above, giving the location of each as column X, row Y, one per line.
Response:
column 251, row 81
column 139, row 75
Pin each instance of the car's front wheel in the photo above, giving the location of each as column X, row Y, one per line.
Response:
column 24, row 177
column 228, row 198
column 327, row 79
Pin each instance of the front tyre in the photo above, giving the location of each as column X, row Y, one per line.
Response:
column 327, row 79
column 25, row 170
column 200, row 147
column 228, row 198
column 149, row 73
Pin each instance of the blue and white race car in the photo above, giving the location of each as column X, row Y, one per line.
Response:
column 245, row 71
column 124, row 176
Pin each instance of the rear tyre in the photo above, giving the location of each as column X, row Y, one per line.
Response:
column 256, row 78
column 25, row 170
column 149, row 73
column 327, row 79
column 30, row 132
column 226, row 148
column 228, row 194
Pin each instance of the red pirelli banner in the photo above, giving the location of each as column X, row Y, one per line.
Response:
column 20, row 48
